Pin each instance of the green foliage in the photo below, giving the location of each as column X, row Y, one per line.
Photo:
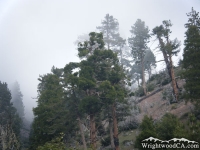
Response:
column 17, row 99
column 54, row 144
column 150, row 87
column 87, row 48
column 10, row 121
column 88, row 87
column 108, row 91
column 147, row 128
column 170, row 127
column 138, row 41
column 138, row 44
column 194, row 128
column 51, row 115
column 90, row 105
column 191, row 56
column 165, row 129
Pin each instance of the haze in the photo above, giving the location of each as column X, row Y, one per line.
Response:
column 35, row 34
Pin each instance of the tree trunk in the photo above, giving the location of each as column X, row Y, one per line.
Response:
column 175, row 90
column 93, row 132
column 143, row 79
column 116, row 139
column 111, row 134
column 82, row 134
column 170, row 69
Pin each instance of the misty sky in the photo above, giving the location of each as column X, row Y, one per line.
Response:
column 37, row 34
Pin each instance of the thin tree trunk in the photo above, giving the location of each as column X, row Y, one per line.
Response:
column 116, row 139
column 82, row 134
column 111, row 134
column 93, row 132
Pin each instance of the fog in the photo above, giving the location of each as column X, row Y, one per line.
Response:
column 35, row 34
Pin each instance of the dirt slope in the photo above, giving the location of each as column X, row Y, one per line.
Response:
column 156, row 106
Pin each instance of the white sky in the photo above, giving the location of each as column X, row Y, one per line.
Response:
column 37, row 34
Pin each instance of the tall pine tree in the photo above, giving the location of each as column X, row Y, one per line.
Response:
column 51, row 114
column 191, row 56
column 168, row 48
column 17, row 99
column 138, row 44
column 110, row 29
column 10, row 122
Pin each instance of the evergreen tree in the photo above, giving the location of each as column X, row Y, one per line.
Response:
column 138, row 44
column 147, row 130
column 101, row 77
column 111, row 36
column 10, row 123
column 191, row 56
column 17, row 99
column 113, row 41
column 170, row 127
column 168, row 48
column 110, row 30
column 51, row 115
column 74, row 94
column 167, row 128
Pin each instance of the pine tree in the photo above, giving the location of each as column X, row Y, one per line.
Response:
column 74, row 95
column 10, row 123
column 101, row 77
column 147, row 130
column 51, row 115
column 110, row 30
column 113, row 41
column 168, row 48
column 138, row 44
column 111, row 36
column 191, row 56
column 17, row 99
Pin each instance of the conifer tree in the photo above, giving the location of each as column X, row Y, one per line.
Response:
column 17, row 99
column 51, row 115
column 191, row 56
column 101, row 77
column 168, row 48
column 110, row 29
column 74, row 95
column 138, row 44
column 10, row 123
column 147, row 130
column 91, row 73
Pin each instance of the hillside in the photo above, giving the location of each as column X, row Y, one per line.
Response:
column 156, row 106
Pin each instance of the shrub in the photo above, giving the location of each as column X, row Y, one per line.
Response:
column 150, row 87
